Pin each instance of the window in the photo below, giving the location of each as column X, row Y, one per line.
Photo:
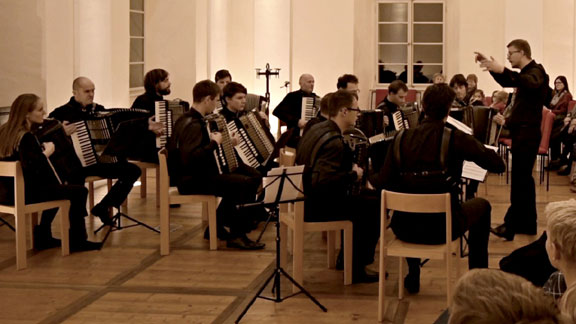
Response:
column 136, row 44
column 410, row 40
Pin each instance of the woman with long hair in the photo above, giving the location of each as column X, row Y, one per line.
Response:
column 561, row 97
column 41, row 182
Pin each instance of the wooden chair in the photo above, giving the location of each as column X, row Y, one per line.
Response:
column 169, row 195
column 90, row 180
column 415, row 203
column 144, row 166
column 295, row 222
column 20, row 209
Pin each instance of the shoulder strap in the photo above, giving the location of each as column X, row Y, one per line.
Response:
column 320, row 143
column 397, row 144
column 445, row 147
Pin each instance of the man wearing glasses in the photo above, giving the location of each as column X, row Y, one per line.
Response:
column 524, row 125
column 330, row 173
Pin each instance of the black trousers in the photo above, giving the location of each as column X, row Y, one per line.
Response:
column 77, row 195
column 521, row 215
column 474, row 217
column 238, row 187
column 126, row 173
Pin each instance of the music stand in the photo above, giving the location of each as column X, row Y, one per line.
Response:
column 117, row 225
column 274, row 213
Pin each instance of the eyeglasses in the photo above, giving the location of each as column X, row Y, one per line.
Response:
column 512, row 52
column 354, row 109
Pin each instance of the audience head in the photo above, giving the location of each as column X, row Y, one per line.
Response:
column 438, row 78
column 484, row 296
column 83, row 91
column 472, row 81
column 519, row 53
column 397, row 92
column 459, row 85
column 157, row 82
column 348, row 82
column 561, row 231
column 499, row 96
column 437, row 100
column 325, row 105
column 26, row 110
column 343, row 108
column 477, row 97
column 306, row 82
column 222, row 78
column 561, row 84
column 205, row 95
column 235, row 95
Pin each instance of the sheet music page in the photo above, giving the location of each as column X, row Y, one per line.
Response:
column 471, row 170
column 459, row 125
column 288, row 192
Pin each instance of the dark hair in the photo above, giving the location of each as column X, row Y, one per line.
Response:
column 459, row 80
column 396, row 86
column 473, row 77
column 437, row 101
column 338, row 100
column 203, row 89
column 522, row 45
column 221, row 74
column 233, row 88
column 345, row 79
column 152, row 78
column 325, row 104
column 564, row 81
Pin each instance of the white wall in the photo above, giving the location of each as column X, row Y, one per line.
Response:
column 559, row 41
column 365, row 48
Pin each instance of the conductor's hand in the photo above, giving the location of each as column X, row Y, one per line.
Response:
column 302, row 123
column 216, row 137
column 155, row 127
column 359, row 171
column 499, row 119
column 488, row 64
column 386, row 121
column 48, row 148
column 69, row 128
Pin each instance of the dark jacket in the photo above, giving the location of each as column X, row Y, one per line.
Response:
column 147, row 101
column 73, row 111
column 532, row 93
column 289, row 110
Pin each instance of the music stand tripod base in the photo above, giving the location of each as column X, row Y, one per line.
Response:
column 117, row 225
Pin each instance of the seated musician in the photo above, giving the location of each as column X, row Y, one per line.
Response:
column 348, row 82
column 419, row 154
column 41, row 182
column 234, row 97
column 157, row 85
column 459, row 84
column 194, row 170
column 329, row 175
column 289, row 110
column 222, row 78
column 397, row 92
column 80, row 107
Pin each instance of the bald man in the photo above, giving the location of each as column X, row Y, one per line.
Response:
column 290, row 109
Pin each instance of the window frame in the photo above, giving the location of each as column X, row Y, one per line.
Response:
column 143, row 38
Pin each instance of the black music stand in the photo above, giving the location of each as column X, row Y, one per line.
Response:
column 274, row 215
column 4, row 222
column 117, row 225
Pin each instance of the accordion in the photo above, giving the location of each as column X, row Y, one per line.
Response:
column 224, row 153
column 310, row 107
column 256, row 143
column 167, row 112
column 359, row 145
column 97, row 139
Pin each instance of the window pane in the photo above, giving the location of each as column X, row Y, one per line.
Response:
column 389, row 73
column 393, row 12
column 428, row 12
column 428, row 72
column 136, row 75
column 136, row 50
column 393, row 54
column 428, row 53
column 427, row 33
column 137, row 5
column 393, row 33
column 136, row 24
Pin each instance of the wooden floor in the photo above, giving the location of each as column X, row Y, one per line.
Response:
column 129, row 282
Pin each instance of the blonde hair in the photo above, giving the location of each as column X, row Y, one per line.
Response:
column 484, row 296
column 568, row 303
column 12, row 131
column 561, row 227
column 500, row 96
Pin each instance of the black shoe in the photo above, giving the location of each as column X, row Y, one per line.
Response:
column 412, row 282
column 221, row 233
column 102, row 212
column 43, row 239
column 244, row 243
column 85, row 246
column 564, row 170
column 504, row 232
column 364, row 275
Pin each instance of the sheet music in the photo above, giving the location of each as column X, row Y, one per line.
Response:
column 473, row 171
column 288, row 192
column 459, row 125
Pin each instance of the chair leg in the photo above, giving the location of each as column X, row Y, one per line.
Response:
column 158, row 187
column 298, row 258
column 20, row 241
column 91, row 194
column 64, row 229
column 212, row 224
column 33, row 222
column 330, row 248
column 143, row 182
column 401, row 278
column 448, row 277
column 165, row 226
column 348, row 256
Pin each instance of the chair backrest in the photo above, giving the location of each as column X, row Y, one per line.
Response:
column 571, row 105
column 163, row 171
column 12, row 169
column 253, row 101
column 482, row 123
column 546, row 129
column 287, row 157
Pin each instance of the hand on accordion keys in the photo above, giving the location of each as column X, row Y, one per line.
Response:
column 386, row 121
column 48, row 148
column 235, row 138
column 359, row 171
column 155, row 127
column 69, row 127
column 216, row 137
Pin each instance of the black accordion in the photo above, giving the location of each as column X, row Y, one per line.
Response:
column 224, row 154
column 167, row 112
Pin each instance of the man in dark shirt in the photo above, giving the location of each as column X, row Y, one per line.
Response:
column 80, row 107
column 397, row 91
column 289, row 110
column 193, row 168
column 524, row 121
column 329, row 175
column 419, row 150
column 157, row 85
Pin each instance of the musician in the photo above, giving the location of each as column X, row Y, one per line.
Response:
column 234, row 95
column 80, row 107
column 222, row 78
column 193, row 168
column 348, row 82
column 397, row 92
column 328, row 175
column 459, row 84
column 41, row 182
column 419, row 154
column 289, row 110
column 157, row 85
